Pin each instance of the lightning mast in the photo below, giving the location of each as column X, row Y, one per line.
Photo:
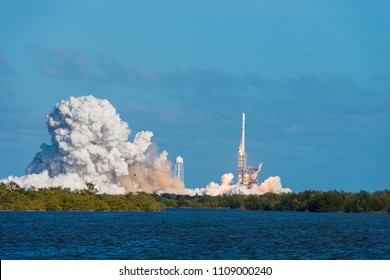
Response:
column 242, row 170
column 179, row 168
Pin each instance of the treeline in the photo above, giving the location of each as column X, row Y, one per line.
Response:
column 307, row 201
column 15, row 198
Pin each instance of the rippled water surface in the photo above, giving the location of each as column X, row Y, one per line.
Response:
column 194, row 234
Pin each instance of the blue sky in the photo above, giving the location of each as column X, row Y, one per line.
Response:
column 312, row 77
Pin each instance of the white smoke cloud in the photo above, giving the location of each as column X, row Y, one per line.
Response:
column 272, row 184
column 89, row 144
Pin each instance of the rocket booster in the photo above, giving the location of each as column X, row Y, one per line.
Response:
column 242, row 144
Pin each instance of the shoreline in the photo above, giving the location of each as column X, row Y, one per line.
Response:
column 189, row 208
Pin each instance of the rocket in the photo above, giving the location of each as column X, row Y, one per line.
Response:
column 242, row 169
column 246, row 175
column 242, row 144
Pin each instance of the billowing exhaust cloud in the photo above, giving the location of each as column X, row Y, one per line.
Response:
column 272, row 184
column 89, row 144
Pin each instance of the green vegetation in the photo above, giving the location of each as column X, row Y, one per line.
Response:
column 307, row 201
column 15, row 198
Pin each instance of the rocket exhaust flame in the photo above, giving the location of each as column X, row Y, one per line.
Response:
column 89, row 143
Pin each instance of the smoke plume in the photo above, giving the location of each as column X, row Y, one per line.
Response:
column 89, row 144
column 272, row 184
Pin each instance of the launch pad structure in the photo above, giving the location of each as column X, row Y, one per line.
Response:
column 246, row 175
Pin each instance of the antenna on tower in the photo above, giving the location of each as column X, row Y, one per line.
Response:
column 179, row 168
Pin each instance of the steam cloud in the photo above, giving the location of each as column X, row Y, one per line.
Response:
column 90, row 144
column 272, row 184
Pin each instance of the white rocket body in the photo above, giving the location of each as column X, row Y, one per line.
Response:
column 242, row 144
column 243, row 133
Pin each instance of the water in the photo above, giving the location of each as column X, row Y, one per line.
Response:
column 194, row 234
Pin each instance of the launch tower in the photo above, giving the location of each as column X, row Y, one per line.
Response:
column 246, row 175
